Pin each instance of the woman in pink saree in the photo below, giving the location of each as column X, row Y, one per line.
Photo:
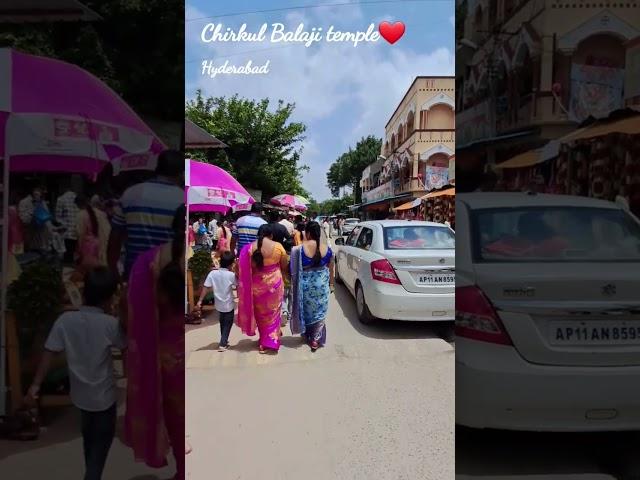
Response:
column 154, row 419
column 262, row 267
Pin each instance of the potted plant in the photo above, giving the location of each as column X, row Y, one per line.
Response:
column 200, row 264
column 35, row 299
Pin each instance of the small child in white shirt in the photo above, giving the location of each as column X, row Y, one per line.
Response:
column 87, row 336
column 222, row 282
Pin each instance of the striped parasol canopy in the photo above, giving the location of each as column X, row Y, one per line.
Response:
column 289, row 200
column 209, row 188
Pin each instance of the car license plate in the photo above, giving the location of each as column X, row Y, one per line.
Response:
column 595, row 333
column 436, row 278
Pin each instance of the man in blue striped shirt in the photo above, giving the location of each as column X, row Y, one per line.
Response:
column 247, row 227
column 146, row 211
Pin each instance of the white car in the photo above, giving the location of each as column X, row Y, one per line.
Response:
column 399, row 270
column 547, row 313
column 349, row 225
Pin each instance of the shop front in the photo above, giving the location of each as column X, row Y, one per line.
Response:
column 597, row 160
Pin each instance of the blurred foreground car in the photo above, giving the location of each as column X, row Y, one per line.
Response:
column 399, row 270
column 547, row 313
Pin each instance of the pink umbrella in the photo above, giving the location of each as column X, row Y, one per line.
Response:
column 57, row 117
column 212, row 189
column 291, row 201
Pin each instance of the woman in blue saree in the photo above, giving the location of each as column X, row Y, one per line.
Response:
column 312, row 280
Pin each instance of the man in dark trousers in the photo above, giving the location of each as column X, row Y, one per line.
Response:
column 280, row 232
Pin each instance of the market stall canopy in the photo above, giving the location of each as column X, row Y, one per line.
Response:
column 209, row 188
column 526, row 159
column 21, row 11
column 449, row 192
column 628, row 126
column 197, row 137
column 57, row 117
column 409, row 205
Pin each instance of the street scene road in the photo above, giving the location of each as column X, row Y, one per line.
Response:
column 376, row 402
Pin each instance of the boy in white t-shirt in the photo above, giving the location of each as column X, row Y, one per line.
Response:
column 87, row 336
column 222, row 282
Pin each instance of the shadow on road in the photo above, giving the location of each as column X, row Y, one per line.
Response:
column 387, row 329
column 247, row 345
column 493, row 453
column 59, row 426
column 209, row 317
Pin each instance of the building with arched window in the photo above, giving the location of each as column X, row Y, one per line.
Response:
column 418, row 146
column 530, row 71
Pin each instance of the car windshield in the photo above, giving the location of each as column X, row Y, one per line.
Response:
column 557, row 234
column 418, row 237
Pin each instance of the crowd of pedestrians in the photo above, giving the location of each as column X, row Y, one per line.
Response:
column 133, row 247
column 280, row 268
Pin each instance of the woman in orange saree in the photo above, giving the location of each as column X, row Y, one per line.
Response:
column 262, row 268
column 154, row 419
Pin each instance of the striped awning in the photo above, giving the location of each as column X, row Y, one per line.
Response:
column 526, row 159
column 409, row 205
column 450, row 192
column 629, row 126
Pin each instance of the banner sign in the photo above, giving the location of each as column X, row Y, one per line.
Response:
column 436, row 177
column 595, row 91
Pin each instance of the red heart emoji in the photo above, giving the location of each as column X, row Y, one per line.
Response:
column 391, row 32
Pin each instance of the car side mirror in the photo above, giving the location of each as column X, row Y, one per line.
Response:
column 339, row 241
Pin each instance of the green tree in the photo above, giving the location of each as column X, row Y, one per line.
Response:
column 264, row 145
column 348, row 167
column 331, row 206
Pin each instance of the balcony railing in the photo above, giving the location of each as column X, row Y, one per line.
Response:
column 517, row 116
column 437, row 135
column 419, row 135
column 412, row 185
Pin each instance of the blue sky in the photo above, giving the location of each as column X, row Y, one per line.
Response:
column 341, row 93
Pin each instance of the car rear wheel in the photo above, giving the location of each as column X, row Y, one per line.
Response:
column 447, row 332
column 364, row 314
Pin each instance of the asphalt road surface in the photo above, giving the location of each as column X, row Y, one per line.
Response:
column 490, row 454
column 376, row 403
